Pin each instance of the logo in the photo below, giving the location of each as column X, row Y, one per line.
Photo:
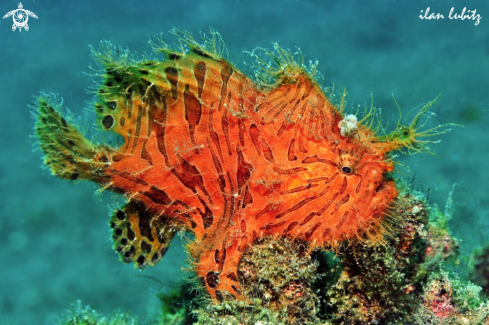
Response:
column 20, row 17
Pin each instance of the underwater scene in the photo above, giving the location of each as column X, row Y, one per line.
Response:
column 248, row 162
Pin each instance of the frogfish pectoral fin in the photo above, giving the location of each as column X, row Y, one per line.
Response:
column 139, row 236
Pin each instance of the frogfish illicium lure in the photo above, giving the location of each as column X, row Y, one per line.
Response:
column 208, row 150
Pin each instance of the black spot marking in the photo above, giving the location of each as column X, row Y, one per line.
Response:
column 141, row 259
column 118, row 231
column 112, row 105
column 107, row 122
column 74, row 176
column 146, row 247
column 174, row 56
column 155, row 257
column 120, row 215
column 124, row 241
column 212, row 279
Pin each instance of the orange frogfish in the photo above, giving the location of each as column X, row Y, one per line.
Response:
column 230, row 159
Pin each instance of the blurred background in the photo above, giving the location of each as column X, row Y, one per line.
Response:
column 55, row 245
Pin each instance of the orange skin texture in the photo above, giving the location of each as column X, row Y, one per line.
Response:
column 231, row 161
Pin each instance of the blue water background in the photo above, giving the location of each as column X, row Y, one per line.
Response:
column 55, row 245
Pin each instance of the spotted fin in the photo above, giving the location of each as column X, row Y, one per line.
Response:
column 140, row 237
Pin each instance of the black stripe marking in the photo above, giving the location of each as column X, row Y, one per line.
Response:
column 248, row 198
column 159, row 127
column 290, row 151
column 207, row 216
column 315, row 158
column 270, row 226
column 299, row 189
column 158, row 196
column 243, row 170
column 145, row 154
column 199, row 73
column 358, row 187
column 254, row 134
column 129, row 177
column 242, row 130
column 144, row 220
column 313, row 229
column 267, row 151
column 214, row 136
column 289, row 171
column 138, row 128
column 172, row 76
column 343, row 186
column 291, row 226
column 270, row 207
column 340, row 203
column 225, row 129
column 226, row 72
column 220, row 257
column 190, row 177
column 193, row 111
column 220, row 172
column 343, row 219
column 301, row 204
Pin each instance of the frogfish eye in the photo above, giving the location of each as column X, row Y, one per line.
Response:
column 346, row 169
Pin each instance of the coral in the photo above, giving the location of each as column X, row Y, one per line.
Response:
column 210, row 151
column 441, row 244
column 380, row 282
column 281, row 273
column 448, row 301
column 177, row 305
column 239, row 313
column 480, row 272
column 84, row 315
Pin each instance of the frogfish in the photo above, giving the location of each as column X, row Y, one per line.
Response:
column 231, row 159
